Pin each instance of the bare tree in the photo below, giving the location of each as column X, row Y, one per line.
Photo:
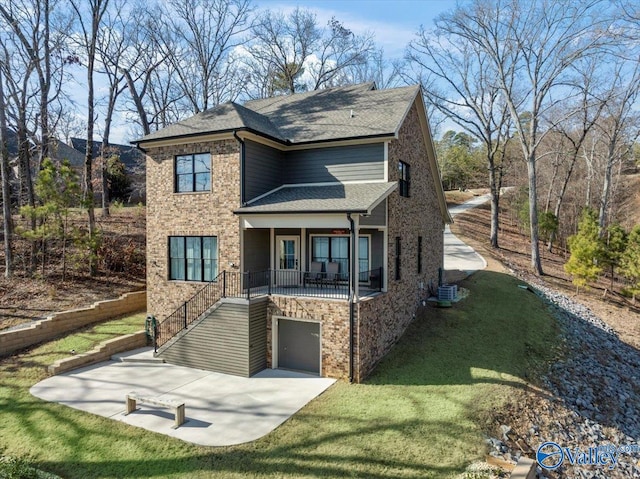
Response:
column 6, row 187
column 531, row 46
column 288, row 47
column 471, row 95
column 573, row 129
column 31, row 22
column 90, row 22
column 619, row 128
column 140, row 69
column 113, row 50
column 204, row 33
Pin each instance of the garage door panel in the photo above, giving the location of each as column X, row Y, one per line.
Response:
column 299, row 345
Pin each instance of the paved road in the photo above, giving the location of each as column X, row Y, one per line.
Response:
column 457, row 254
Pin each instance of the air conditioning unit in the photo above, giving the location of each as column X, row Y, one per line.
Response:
column 447, row 292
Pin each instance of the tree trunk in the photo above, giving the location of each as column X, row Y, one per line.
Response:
column 536, row 263
column 494, row 185
column 606, row 189
column 6, row 189
column 144, row 121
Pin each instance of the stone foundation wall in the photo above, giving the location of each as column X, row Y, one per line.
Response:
column 334, row 318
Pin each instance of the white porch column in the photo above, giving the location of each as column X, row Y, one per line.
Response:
column 272, row 248
column 303, row 250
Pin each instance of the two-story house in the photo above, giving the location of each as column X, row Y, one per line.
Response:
column 298, row 232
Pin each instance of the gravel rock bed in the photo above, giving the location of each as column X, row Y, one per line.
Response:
column 590, row 397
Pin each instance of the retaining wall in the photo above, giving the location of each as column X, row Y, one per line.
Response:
column 102, row 352
column 60, row 323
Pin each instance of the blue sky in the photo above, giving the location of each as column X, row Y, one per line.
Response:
column 393, row 22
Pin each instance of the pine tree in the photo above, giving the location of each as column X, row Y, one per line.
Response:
column 57, row 189
column 585, row 263
column 616, row 243
column 630, row 261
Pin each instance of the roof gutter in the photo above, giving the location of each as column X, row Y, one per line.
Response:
column 351, row 295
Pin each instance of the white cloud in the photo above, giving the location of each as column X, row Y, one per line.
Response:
column 392, row 37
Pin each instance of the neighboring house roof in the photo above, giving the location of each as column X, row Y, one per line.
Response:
column 61, row 151
column 129, row 155
column 344, row 198
column 354, row 111
column 12, row 143
column 58, row 150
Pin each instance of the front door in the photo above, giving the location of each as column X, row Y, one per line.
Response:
column 288, row 260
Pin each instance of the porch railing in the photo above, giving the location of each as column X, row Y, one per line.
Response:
column 233, row 284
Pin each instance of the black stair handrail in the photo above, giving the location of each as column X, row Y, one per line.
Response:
column 226, row 284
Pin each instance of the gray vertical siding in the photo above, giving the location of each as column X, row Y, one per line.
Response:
column 256, row 250
column 257, row 335
column 223, row 340
column 378, row 216
column 339, row 163
column 263, row 169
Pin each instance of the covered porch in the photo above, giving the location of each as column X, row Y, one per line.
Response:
column 328, row 241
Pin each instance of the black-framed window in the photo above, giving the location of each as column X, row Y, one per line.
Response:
column 398, row 250
column 193, row 258
column 404, row 173
column 336, row 249
column 193, row 173
column 419, row 254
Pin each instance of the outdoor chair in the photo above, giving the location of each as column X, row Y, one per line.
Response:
column 332, row 275
column 314, row 276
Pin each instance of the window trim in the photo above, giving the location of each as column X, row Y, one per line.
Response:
column 185, row 259
column 404, row 180
column 193, row 174
column 368, row 235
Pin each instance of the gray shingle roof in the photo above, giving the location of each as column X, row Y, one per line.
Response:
column 354, row 198
column 225, row 117
column 326, row 114
column 336, row 113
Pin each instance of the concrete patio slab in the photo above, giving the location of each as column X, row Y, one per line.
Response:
column 221, row 410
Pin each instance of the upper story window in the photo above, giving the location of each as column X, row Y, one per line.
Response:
column 193, row 173
column 405, row 178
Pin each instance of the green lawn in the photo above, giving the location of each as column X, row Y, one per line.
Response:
column 421, row 414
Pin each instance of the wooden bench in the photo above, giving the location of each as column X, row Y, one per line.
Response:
column 178, row 407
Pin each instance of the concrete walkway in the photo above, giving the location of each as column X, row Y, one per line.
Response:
column 457, row 254
column 221, row 410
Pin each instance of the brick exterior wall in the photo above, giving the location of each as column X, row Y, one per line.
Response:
column 382, row 320
column 334, row 318
column 189, row 214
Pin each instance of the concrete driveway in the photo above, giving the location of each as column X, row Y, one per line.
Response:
column 458, row 255
column 221, row 410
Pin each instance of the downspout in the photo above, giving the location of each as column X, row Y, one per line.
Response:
column 242, row 168
column 352, row 269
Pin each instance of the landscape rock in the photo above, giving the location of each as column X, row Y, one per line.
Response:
column 594, row 393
